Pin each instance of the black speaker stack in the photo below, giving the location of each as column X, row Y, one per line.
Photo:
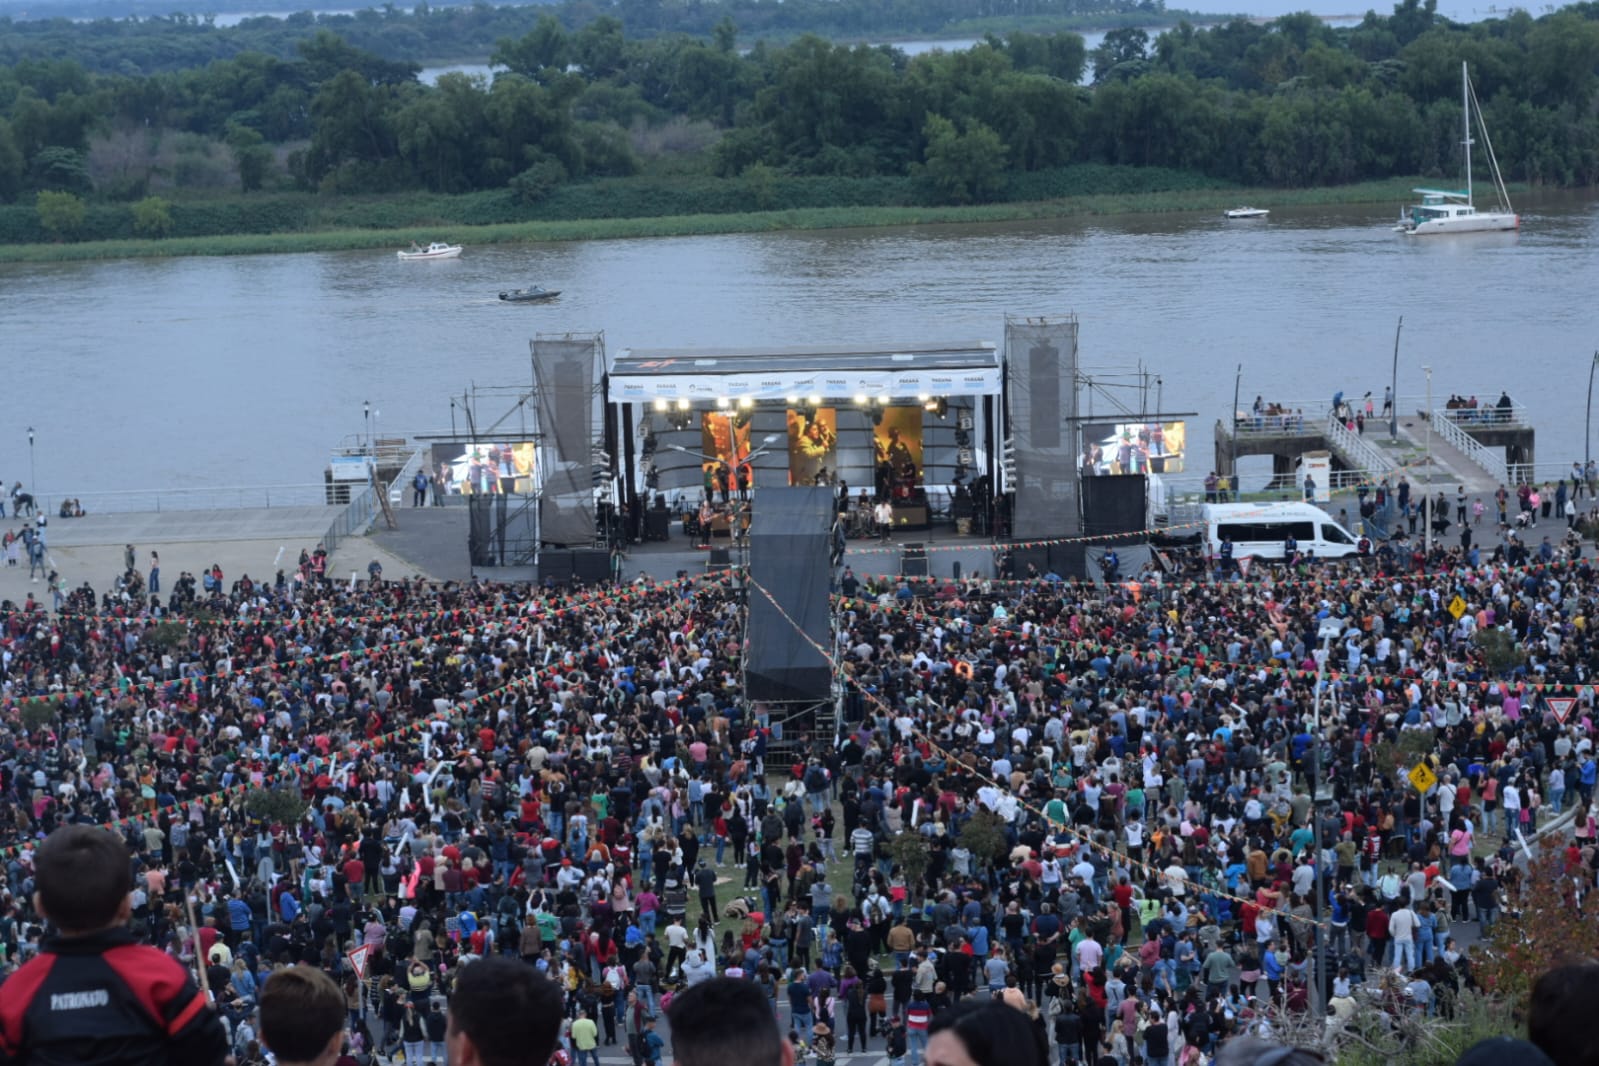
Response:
column 585, row 566
column 913, row 560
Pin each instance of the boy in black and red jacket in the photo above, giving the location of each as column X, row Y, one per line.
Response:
column 93, row 994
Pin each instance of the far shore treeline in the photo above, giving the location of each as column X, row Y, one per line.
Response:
column 589, row 120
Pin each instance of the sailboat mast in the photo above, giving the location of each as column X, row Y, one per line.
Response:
column 1465, row 118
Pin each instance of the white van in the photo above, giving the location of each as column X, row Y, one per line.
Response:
column 1259, row 529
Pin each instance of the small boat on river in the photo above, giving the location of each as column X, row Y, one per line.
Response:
column 436, row 250
column 1248, row 212
column 534, row 295
column 1446, row 211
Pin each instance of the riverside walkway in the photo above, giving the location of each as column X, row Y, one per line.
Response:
column 255, row 541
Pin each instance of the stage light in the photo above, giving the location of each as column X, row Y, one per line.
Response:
column 746, row 402
column 923, row 397
column 939, row 407
column 682, row 403
column 885, row 399
column 721, row 402
column 861, row 400
column 816, row 401
column 793, row 401
column 660, row 404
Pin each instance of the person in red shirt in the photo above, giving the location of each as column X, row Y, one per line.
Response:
column 1376, row 933
column 355, row 877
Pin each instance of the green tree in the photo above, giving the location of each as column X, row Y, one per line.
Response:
column 59, row 168
column 1499, row 650
column 544, row 47
column 280, row 805
column 60, row 213
column 152, row 217
column 40, row 713
column 11, row 165
column 908, row 850
column 599, row 48
column 1124, row 48
column 535, row 184
column 983, row 835
column 250, row 154
column 964, row 165
column 762, row 183
column 353, row 125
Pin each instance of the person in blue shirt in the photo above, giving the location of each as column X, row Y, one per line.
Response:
column 1272, row 967
column 652, row 1043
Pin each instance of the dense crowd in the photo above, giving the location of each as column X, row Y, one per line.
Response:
column 1113, row 790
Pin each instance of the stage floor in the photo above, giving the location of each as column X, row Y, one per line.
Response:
column 434, row 541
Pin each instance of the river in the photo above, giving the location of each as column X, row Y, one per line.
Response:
column 227, row 371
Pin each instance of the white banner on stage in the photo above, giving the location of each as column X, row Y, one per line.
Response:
column 779, row 385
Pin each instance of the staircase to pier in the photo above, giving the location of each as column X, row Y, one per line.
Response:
column 1432, row 451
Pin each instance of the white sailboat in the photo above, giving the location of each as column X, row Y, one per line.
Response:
column 1441, row 211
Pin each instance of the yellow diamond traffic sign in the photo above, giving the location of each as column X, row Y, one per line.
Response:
column 1422, row 778
column 1457, row 607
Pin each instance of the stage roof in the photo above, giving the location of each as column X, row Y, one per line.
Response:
column 702, row 375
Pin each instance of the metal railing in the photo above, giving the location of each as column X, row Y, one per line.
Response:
column 1485, row 457
column 1286, row 425
column 1514, row 416
column 1362, row 456
column 1537, row 473
column 199, row 498
column 354, row 518
column 1338, row 481
column 402, row 478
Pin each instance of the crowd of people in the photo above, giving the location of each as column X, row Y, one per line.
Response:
column 1111, row 790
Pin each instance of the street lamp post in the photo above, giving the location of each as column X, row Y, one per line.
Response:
column 366, row 415
column 1330, row 629
column 33, row 475
column 1587, row 424
column 1432, row 503
column 1232, row 456
column 1393, row 387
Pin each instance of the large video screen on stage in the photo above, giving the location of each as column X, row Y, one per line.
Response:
column 813, row 446
column 1134, row 448
column 897, row 443
column 500, row 467
column 724, row 435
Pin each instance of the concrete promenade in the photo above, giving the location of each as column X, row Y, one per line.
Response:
column 428, row 541
column 255, row 541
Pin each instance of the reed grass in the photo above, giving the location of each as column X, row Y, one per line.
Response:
column 354, row 239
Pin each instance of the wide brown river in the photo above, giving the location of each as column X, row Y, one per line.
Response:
column 246, row 371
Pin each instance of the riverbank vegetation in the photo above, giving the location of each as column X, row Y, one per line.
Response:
column 162, row 41
column 359, row 223
column 596, row 124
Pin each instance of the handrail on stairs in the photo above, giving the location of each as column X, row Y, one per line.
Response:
column 1483, row 456
column 1355, row 448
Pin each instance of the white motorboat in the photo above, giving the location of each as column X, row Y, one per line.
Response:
column 1248, row 212
column 1445, row 211
column 435, row 250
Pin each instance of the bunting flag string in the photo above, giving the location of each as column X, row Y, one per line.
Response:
column 356, row 749
column 558, row 609
column 1084, row 839
column 1213, row 663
